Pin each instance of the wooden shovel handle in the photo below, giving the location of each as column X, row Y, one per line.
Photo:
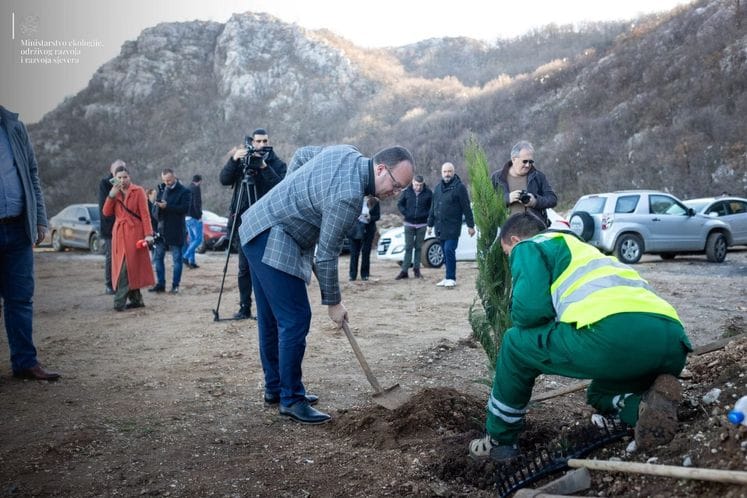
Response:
column 361, row 359
column 716, row 475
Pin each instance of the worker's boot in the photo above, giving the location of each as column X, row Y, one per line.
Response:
column 657, row 413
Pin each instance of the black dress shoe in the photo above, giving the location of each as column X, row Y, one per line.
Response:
column 36, row 373
column 302, row 412
column 274, row 399
column 401, row 275
column 109, row 291
column 157, row 288
column 244, row 313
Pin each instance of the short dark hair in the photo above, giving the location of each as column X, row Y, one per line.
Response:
column 121, row 167
column 419, row 179
column 259, row 131
column 392, row 156
column 521, row 225
column 166, row 171
column 197, row 178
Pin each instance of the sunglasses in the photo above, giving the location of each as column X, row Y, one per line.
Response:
column 528, row 161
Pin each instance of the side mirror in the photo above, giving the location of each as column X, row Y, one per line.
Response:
column 690, row 212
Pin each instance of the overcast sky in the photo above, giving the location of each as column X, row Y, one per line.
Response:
column 35, row 88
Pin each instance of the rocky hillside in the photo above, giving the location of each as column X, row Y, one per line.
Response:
column 658, row 103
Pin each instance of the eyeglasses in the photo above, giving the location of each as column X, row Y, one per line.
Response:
column 263, row 141
column 395, row 184
column 528, row 161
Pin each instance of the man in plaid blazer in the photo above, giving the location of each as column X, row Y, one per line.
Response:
column 314, row 206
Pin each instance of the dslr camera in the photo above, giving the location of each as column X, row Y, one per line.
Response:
column 525, row 197
column 252, row 162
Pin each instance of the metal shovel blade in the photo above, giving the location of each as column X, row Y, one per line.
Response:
column 390, row 398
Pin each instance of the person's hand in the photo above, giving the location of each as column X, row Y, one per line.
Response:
column 471, row 232
column 41, row 232
column 514, row 196
column 117, row 187
column 161, row 204
column 338, row 313
column 533, row 202
column 239, row 154
column 149, row 239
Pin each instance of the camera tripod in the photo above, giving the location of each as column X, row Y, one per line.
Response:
column 247, row 182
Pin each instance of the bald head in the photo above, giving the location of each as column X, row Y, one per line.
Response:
column 447, row 172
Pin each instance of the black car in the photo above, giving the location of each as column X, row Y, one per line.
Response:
column 78, row 225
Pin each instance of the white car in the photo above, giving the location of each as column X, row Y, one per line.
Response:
column 392, row 244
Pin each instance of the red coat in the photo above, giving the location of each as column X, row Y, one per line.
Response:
column 125, row 234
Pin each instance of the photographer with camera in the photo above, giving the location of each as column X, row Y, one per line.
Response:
column 260, row 168
column 525, row 188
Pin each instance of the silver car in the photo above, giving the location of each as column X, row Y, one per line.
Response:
column 630, row 223
column 732, row 210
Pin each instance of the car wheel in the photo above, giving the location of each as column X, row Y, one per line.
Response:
column 94, row 244
column 716, row 247
column 668, row 255
column 433, row 253
column 201, row 248
column 582, row 224
column 56, row 241
column 629, row 248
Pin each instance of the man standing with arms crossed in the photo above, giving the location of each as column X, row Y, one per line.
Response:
column 315, row 207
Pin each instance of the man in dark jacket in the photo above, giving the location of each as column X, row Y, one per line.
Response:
column 450, row 204
column 172, row 204
column 194, row 222
column 23, row 223
column 262, row 171
column 107, row 222
column 414, row 204
column 524, row 187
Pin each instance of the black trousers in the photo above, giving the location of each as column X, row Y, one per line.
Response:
column 245, row 282
column 362, row 248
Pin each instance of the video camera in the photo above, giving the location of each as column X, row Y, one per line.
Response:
column 252, row 162
column 525, row 197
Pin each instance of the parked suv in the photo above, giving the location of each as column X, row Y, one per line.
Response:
column 630, row 223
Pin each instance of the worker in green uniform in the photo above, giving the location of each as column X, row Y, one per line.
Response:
column 579, row 313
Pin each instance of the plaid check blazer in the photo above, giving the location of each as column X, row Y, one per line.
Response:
column 316, row 204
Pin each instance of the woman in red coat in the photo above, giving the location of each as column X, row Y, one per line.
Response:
column 127, row 202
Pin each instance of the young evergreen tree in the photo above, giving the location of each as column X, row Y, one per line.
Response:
column 490, row 318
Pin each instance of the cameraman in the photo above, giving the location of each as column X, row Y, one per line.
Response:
column 525, row 188
column 263, row 170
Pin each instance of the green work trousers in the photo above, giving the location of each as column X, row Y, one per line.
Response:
column 622, row 354
column 123, row 290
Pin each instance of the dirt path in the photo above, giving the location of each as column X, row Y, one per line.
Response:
column 166, row 401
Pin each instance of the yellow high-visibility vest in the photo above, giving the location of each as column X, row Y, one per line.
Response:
column 595, row 286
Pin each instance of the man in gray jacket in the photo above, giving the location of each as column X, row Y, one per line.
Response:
column 315, row 206
column 23, row 223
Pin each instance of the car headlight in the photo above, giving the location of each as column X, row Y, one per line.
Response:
column 398, row 249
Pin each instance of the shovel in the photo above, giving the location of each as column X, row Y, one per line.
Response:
column 390, row 398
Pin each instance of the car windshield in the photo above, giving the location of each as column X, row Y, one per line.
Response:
column 94, row 214
column 697, row 205
column 592, row 205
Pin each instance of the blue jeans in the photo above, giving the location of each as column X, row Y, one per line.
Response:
column 283, row 319
column 159, row 254
column 194, row 228
column 449, row 247
column 17, row 292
